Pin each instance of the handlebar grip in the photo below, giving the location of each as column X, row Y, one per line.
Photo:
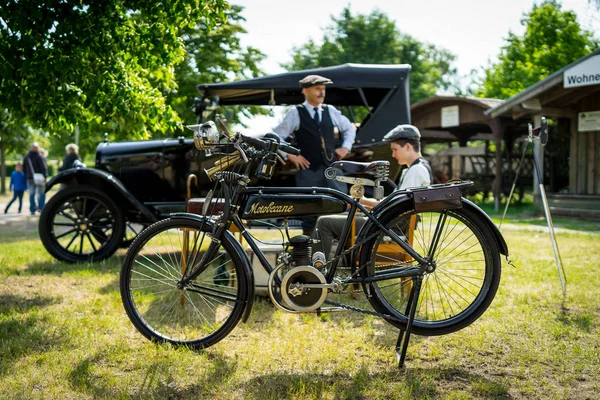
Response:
column 256, row 142
column 289, row 149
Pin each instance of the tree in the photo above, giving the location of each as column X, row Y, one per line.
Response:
column 374, row 38
column 213, row 55
column 553, row 39
column 104, row 66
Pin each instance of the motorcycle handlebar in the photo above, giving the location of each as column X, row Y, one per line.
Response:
column 289, row 149
column 264, row 145
column 256, row 142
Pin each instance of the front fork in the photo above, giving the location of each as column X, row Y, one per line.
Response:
column 213, row 248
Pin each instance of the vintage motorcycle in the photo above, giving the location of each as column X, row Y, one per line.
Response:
column 427, row 260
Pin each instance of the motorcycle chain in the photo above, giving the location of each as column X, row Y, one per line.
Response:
column 363, row 311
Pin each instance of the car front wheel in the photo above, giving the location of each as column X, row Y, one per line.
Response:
column 81, row 224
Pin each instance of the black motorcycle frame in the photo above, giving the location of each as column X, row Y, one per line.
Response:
column 234, row 195
column 241, row 194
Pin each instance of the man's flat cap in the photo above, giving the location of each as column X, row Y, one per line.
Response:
column 312, row 80
column 406, row 131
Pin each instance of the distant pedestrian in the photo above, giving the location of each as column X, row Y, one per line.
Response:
column 72, row 155
column 18, row 184
column 36, row 171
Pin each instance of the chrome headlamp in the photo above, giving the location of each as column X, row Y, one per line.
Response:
column 206, row 135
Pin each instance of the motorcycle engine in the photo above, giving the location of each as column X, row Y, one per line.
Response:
column 304, row 270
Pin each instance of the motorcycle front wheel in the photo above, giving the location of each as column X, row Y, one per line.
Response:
column 202, row 313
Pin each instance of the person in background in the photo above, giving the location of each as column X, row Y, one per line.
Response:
column 34, row 163
column 72, row 154
column 18, row 184
column 313, row 124
column 405, row 143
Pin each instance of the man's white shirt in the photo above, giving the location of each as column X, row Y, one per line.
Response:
column 291, row 123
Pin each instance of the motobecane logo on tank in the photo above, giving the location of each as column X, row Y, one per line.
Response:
column 270, row 208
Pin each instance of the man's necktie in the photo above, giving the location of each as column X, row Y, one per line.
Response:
column 316, row 117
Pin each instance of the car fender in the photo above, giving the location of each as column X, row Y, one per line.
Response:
column 238, row 249
column 406, row 199
column 100, row 179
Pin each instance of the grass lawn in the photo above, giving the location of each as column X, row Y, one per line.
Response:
column 64, row 334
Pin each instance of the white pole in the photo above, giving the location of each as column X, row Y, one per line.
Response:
column 542, row 191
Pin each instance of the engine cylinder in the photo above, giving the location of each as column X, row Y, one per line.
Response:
column 301, row 250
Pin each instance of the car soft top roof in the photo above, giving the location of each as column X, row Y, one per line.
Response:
column 374, row 80
column 383, row 89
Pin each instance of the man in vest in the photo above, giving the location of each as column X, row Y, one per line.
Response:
column 313, row 124
column 405, row 143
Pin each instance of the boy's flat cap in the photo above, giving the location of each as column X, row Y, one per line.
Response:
column 406, row 131
column 312, row 80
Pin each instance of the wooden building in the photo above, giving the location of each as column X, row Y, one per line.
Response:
column 570, row 98
column 459, row 120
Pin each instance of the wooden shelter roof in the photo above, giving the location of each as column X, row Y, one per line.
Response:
column 547, row 96
column 473, row 124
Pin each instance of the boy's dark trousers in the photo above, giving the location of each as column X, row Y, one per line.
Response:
column 17, row 194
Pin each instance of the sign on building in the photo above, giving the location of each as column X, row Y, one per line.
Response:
column 450, row 116
column 583, row 74
column 589, row 121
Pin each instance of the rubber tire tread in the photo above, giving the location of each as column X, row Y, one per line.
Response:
column 419, row 327
column 49, row 210
column 138, row 322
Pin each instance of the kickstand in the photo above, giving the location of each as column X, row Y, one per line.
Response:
column 411, row 308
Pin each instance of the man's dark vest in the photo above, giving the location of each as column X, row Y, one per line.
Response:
column 310, row 138
column 423, row 162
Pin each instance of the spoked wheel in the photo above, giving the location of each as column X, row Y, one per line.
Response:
column 199, row 315
column 81, row 224
column 132, row 230
column 462, row 280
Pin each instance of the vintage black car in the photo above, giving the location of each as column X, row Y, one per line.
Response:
column 134, row 184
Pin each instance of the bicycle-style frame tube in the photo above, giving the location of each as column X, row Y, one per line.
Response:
column 354, row 207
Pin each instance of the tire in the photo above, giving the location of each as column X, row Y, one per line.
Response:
column 162, row 312
column 81, row 224
column 459, row 289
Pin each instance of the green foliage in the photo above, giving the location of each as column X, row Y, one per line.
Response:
column 104, row 66
column 374, row 38
column 552, row 40
column 13, row 133
column 213, row 55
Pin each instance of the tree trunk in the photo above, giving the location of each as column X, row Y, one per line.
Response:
column 2, row 167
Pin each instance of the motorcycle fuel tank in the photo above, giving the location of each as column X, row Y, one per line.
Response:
column 261, row 206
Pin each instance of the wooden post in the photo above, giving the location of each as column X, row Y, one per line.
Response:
column 498, row 127
column 573, row 156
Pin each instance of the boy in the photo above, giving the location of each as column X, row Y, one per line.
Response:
column 405, row 144
column 18, row 184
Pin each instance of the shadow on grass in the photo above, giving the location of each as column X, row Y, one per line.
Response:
column 415, row 383
column 579, row 320
column 157, row 379
column 109, row 266
column 24, row 331
column 10, row 303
